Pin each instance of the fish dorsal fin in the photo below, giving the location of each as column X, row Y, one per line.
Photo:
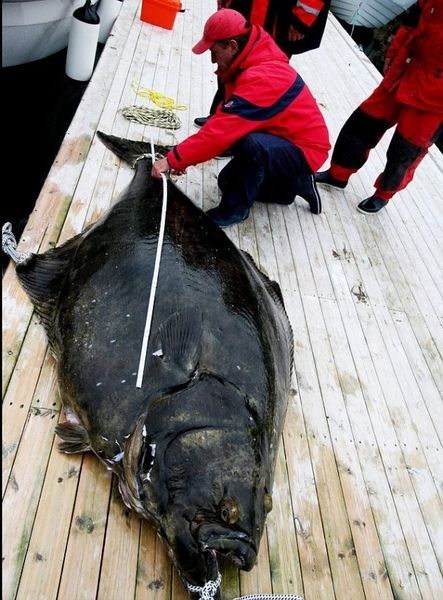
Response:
column 44, row 276
column 275, row 292
column 271, row 286
column 177, row 343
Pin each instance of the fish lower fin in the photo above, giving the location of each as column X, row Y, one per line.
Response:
column 74, row 437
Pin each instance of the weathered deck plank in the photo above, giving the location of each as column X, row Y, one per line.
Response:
column 358, row 496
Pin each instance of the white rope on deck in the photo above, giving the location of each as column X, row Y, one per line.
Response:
column 208, row 591
column 9, row 245
column 270, row 597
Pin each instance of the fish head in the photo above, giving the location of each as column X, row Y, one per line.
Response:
column 217, row 501
column 209, row 498
column 204, row 479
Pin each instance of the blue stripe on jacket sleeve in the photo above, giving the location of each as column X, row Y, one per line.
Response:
column 247, row 110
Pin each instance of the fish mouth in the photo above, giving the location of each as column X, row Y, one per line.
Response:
column 236, row 546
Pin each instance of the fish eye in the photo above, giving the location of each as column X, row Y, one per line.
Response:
column 229, row 511
column 267, row 501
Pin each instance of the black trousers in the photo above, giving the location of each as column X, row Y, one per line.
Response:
column 264, row 168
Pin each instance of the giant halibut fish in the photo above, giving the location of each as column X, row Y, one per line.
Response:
column 194, row 448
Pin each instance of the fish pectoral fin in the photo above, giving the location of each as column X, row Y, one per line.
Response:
column 74, row 437
column 178, row 341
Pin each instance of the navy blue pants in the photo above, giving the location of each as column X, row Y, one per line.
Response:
column 264, row 168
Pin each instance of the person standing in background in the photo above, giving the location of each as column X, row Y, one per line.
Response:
column 296, row 26
column 410, row 96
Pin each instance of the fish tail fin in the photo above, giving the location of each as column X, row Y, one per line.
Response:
column 74, row 438
column 129, row 150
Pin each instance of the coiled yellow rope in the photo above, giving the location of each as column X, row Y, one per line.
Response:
column 165, row 117
column 159, row 99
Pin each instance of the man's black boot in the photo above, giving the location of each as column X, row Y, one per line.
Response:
column 308, row 191
column 222, row 218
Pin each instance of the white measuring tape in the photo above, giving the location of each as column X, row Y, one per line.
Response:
column 161, row 235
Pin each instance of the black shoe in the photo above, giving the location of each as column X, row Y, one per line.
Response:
column 222, row 220
column 200, row 121
column 326, row 179
column 308, row 191
column 371, row 205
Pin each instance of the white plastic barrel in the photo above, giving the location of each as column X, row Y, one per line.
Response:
column 82, row 47
column 107, row 11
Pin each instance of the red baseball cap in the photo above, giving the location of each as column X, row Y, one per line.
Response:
column 222, row 25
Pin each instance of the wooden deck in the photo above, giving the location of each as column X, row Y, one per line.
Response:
column 359, row 483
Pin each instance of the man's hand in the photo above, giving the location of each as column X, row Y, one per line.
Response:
column 159, row 167
column 162, row 166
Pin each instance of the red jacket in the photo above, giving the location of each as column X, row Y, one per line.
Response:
column 415, row 60
column 262, row 93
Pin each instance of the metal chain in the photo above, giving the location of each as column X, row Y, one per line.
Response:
column 152, row 116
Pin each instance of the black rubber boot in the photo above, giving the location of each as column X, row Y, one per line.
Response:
column 371, row 205
column 308, row 191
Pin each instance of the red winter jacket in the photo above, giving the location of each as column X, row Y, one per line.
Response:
column 262, row 93
column 415, row 60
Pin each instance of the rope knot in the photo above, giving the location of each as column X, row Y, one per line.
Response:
column 9, row 245
column 208, row 591
column 152, row 155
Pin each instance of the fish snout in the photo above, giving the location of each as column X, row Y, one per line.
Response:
column 196, row 567
column 234, row 545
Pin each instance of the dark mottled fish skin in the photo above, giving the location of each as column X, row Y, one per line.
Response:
column 195, row 447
